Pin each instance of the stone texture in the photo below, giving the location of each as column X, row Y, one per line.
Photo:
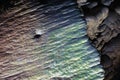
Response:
column 103, row 35
column 60, row 51
column 111, row 62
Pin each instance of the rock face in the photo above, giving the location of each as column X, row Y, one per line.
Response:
column 37, row 40
column 46, row 41
column 111, row 62
column 103, row 26
column 104, row 31
column 102, row 22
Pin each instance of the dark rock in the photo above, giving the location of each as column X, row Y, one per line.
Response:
column 107, row 2
column 111, row 59
column 102, row 31
column 60, row 78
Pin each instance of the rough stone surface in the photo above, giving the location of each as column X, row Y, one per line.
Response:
column 111, row 62
column 103, row 26
column 103, row 33
column 63, row 51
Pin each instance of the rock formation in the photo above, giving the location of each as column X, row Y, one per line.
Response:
column 23, row 29
column 103, row 20
column 46, row 40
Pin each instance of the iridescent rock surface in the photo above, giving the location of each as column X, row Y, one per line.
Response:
column 63, row 51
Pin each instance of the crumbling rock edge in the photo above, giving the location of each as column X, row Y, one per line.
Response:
column 103, row 20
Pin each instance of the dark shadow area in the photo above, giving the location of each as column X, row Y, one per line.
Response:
column 37, row 36
column 106, row 61
column 110, row 59
column 60, row 78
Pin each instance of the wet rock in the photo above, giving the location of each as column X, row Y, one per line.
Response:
column 57, row 53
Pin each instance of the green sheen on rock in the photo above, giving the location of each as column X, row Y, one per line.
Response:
column 67, row 51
